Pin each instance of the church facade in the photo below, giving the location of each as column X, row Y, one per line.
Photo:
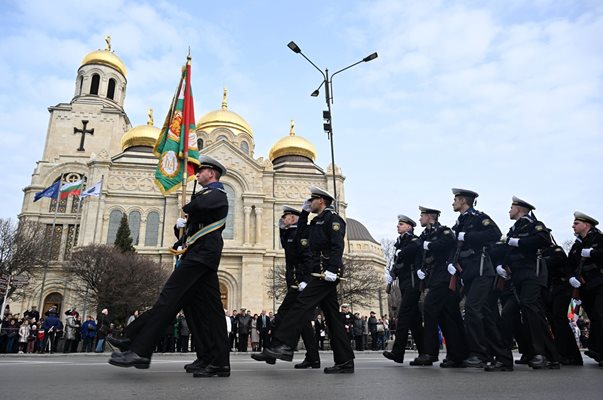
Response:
column 91, row 138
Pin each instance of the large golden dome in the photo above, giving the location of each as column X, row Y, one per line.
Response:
column 292, row 145
column 105, row 57
column 224, row 118
column 141, row 135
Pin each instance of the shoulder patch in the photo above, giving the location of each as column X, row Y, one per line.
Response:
column 336, row 226
column 486, row 221
column 539, row 227
column 207, row 191
column 414, row 239
column 304, row 242
column 447, row 232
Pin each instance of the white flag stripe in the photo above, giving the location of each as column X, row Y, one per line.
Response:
column 70, row 185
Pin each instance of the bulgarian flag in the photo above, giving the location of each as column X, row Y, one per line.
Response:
column 70, row 188
column 178, row 139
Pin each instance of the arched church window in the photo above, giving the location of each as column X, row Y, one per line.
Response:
column 200, row 143
column 95, row 84
column 245, row 147
column 152, row 229
column 114, row 220
column 228, row 232
column 111, row 89
column 81, row 85
column 221, row 137
column 134, row 225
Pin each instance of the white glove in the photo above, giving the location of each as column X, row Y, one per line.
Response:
column 181, row 223
column 586, row 252
column 388, row 278
column 421, row 274
column 426, row 245
column 330, row 277
column 306, row 206
column 574, row 282
column 398, row 252
column 302, row 286
column 577, row 302
column 461, row 237
column 513, row 242
column 502, row 272
column 451, row 269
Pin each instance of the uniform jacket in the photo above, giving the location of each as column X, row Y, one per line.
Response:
column 480, row 234
column 434, row 262
column 558, row 268
column 533, row 238
column 592, row 268
column 325, row 236
column 297, row 256
column 207, row 206
column 407, row 246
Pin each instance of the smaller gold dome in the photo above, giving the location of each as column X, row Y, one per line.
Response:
column 292, row 145
column 105, row 57
column 141, row 135
column 224, row 118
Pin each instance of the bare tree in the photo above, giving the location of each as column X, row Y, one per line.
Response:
column 119, row 281
column 22, row 250
column 389, row 251
column 567, row 245
column 362, row 283
column 275, row 282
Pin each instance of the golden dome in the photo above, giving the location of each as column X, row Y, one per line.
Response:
column 292, row 145
column 141, row 135
column 105, row 57
column 224, row 118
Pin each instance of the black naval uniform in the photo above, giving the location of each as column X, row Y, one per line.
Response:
column 326, row 240
column 194, row 282
column 298, row 269
column 591, row 292
column 558, row 298
column 409, row 316
column 529, row 278
column 441, row 305
column 478, row 275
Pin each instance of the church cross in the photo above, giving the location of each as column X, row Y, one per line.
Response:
column 83, row 132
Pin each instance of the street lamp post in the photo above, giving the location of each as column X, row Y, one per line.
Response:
column 328, row 82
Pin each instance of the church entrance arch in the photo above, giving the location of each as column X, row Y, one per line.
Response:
column 224, row 295
column 53, row 300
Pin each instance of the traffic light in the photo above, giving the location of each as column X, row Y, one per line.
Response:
column 326, row 115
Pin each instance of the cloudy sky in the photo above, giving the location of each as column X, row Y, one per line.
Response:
column 504, row 98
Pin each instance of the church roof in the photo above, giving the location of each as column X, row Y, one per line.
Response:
column 224, row 118
column 292, row 145
column 357, row 231
column 105, row 57
column 141, row 135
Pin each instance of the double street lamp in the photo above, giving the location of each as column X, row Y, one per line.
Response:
column 328, row 83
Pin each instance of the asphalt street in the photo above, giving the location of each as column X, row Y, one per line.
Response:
column 86, row 376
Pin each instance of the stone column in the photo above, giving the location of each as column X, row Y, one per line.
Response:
column 258, row 226
column 247, row 225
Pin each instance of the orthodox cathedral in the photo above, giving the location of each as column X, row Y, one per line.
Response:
column 92, row 139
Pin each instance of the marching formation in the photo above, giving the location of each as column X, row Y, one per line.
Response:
column 483, row 290
column 515, row 287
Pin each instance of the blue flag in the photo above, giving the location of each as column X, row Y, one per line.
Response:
column 51, row 191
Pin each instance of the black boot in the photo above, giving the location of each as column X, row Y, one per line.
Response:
column 423, row 360
column 390, row 355
column 264, row 357
column 497, row 366
column 281, row 351
column 129, row 359
column 123, row 344
column 213, row 370
column 195, row 366
column 308, row 364
column 473, row 362
column 343, row 368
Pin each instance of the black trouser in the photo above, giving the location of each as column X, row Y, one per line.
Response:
column 324, row 294
column 264, row 339
column 409, row 318
column 359, row 339
column 495, row 342
column 197, row 286
column 201, row 332
column 592, row 301
column 243, row 339
column 511, row 324
column 564, row 338
column 531, row 304
column 307, row 332
column 441, row 306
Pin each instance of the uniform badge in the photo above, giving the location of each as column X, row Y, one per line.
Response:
column 539, row 228
column 336, row 226
column 447, row 232
column 304, row 242
column 486, row 222
column 207, row 191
